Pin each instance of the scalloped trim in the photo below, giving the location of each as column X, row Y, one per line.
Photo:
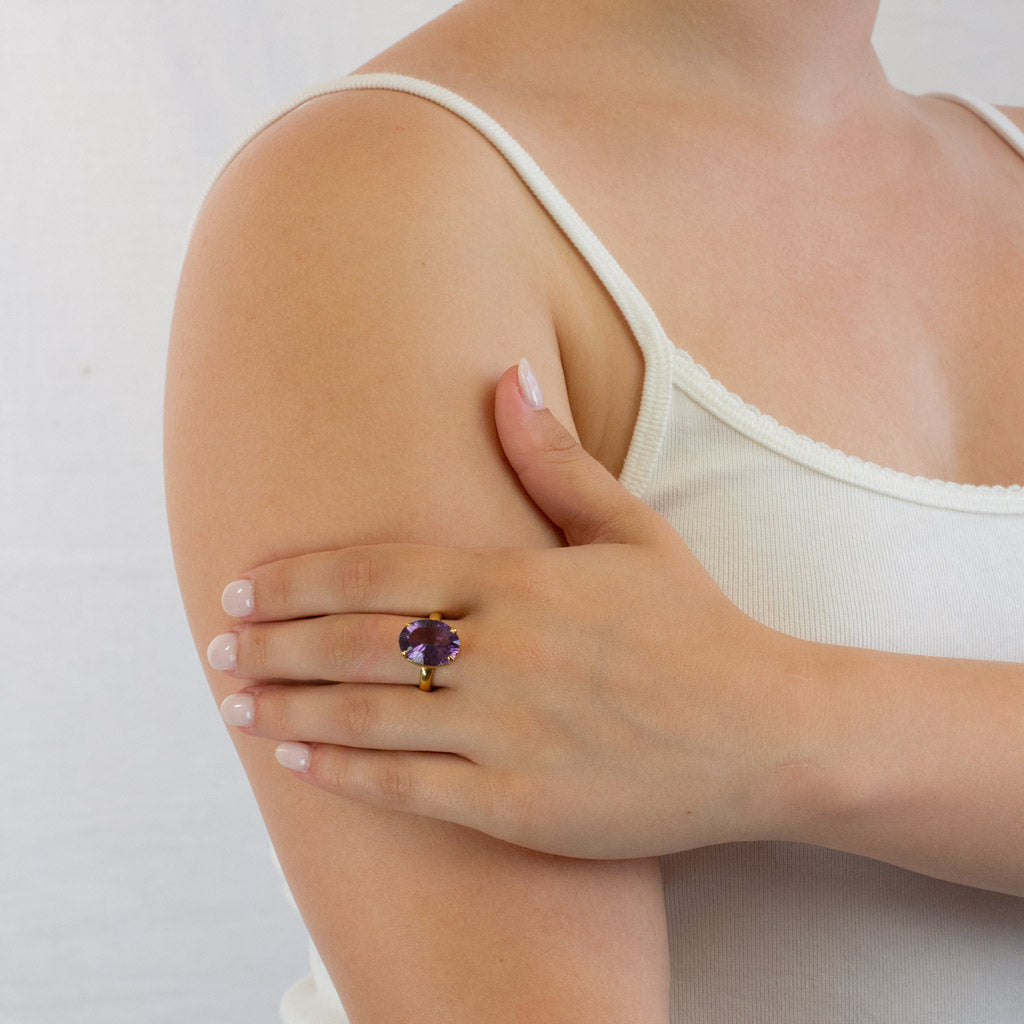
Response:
column 750, row 421
column 695, row 380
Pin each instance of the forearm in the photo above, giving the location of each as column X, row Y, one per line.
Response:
column 915, row 761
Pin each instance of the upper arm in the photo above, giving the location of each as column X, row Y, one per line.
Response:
column 359, row 278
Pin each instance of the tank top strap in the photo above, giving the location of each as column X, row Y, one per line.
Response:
column 656, row 348
column 991, row 115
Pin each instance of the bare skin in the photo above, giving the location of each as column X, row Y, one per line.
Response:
column 795, row 229
column 766, row 186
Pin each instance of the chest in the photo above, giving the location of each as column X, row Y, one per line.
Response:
column 887, row 322
column 838, row 552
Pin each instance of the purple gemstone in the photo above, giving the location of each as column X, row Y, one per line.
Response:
column 429, row 642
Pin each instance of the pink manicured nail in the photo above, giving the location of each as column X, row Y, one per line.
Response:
column 222, row 654
column 237, row 599
column 295, row 756
column 528, row 386
column 238, row 709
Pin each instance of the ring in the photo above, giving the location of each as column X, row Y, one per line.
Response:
column 429, row 643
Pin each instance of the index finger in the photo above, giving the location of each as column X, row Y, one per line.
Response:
column 399, row 579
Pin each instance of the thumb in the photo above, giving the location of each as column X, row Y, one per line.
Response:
column 569, row 486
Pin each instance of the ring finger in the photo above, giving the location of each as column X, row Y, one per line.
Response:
column 333, row 648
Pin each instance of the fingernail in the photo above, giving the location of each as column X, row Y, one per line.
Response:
column 222, row 654
column 295, row 756
column 237, row 599
column 238, row 709
column 528, row 386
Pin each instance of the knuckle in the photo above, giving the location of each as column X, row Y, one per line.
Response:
column 359, row 719
column 272, row 718
column 502, row 572
column 342, row 653
column 331, row 770
column 620, row 519
column 254, row 652
column 536, row 584
column 561, row 445
column 275, row 589
column 582, row 524
column 356, row 574
column 524, row 575
column 331, row 653
column 395, row 784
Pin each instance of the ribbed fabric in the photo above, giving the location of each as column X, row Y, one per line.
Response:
column 823, row 546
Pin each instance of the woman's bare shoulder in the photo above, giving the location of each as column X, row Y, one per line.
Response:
column 402, row 218
column 341, row 127
column 367, row 262
column 377, row 162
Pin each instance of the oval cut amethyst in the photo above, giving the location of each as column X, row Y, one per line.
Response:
column 429, row 642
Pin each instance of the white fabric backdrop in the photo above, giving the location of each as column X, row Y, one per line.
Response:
column 135, row 884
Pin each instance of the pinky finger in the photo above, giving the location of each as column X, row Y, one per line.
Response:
column 442, row 786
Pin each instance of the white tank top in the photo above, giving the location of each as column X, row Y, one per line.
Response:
column 820, row 545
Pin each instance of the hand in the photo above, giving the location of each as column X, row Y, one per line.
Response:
column 608, row 700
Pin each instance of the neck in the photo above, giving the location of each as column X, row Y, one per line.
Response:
column 811, row 60
column 800, row 63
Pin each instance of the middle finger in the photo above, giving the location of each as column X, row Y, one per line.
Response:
column 370, row 717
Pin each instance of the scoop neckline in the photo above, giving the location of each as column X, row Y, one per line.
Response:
column 710, row 393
